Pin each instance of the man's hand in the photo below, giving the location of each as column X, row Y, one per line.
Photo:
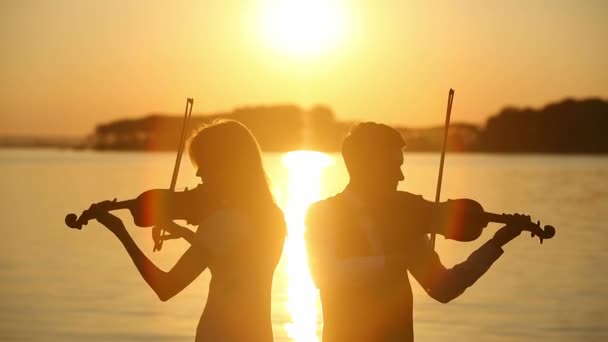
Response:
column 510, row 231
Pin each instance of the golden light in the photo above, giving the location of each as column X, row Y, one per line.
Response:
column 303, row 28
column 304, row 187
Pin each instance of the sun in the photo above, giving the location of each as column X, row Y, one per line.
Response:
column 303, row 28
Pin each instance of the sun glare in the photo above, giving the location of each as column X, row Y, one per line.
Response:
column 304, row 187
column 303, row 28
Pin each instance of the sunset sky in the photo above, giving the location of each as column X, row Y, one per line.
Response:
column 67, row 65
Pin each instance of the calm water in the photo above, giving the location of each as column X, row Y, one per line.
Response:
column 66, row 285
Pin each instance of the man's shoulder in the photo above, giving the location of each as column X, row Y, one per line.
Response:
column 405, row 197
column 341, row 199
column 326, row 207
column 328, row 202
column 408, row 195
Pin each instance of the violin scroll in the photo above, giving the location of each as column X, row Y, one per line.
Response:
column 525, row 223
column 548, row 232
column 76, row 222
column 71, row 220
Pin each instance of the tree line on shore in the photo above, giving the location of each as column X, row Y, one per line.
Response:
column 569, row 126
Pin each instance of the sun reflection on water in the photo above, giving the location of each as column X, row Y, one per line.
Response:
column 304, row 187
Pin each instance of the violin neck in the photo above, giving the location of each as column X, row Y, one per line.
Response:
column 128, row 204
column 505, row 218
column 498, row 218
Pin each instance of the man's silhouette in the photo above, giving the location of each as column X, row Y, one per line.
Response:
column 362, row 241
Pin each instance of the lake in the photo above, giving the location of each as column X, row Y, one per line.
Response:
column 61, row 284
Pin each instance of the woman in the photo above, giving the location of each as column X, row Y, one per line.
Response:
column 240, row 237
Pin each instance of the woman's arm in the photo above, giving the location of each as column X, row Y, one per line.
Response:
column 164, row 284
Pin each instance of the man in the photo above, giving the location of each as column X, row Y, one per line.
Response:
column 361, row 242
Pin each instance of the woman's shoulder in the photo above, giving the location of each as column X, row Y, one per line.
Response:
column 225, row 217
column 223, row 231
column 228, row 229
column 237, row 217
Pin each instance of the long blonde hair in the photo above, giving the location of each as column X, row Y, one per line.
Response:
column 229, row 149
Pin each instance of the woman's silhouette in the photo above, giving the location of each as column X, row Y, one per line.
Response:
column 240, row 239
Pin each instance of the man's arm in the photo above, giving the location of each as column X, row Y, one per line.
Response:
column 445, row 284
column 441, row 283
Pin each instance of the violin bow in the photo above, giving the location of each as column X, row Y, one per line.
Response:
column 158, row 244
column 445, row 143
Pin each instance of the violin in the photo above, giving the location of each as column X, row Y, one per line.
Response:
column 157, row 206
column 465, row 219
column 154, row 207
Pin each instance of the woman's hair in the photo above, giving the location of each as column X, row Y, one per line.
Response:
column 229, row 150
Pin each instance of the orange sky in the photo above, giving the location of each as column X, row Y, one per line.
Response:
column 68, row 64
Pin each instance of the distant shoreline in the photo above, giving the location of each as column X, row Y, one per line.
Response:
column 410, row 152
column 569, row 127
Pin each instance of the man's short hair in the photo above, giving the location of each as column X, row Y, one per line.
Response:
column 369, row 139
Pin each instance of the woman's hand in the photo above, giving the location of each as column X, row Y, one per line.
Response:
column 175, row 232
column 113, row 223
